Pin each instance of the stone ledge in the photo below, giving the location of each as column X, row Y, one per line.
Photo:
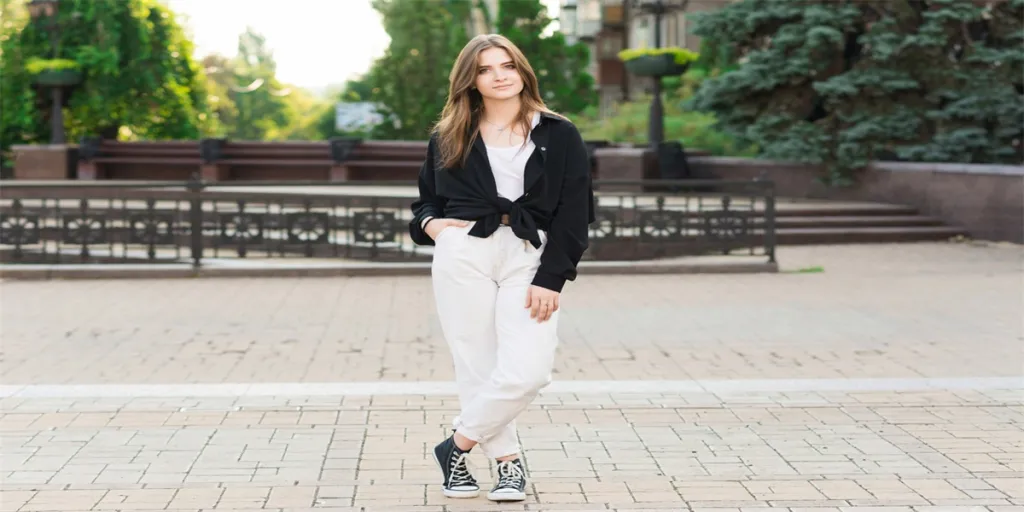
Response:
column 878, row 165
column 740, row 265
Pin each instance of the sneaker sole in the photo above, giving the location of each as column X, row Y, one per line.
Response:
column 506, row 496
column 453, row 493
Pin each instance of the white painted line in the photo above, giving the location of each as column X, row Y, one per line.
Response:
column 867, row 384
column 447, row 388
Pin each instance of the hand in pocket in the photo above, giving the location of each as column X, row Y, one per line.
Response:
column 435, row 226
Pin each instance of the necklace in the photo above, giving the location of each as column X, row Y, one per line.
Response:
column 500, row 129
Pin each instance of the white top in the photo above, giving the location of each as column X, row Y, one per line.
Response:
column 508, row 164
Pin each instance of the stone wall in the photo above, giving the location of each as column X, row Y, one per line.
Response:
column 986, row 200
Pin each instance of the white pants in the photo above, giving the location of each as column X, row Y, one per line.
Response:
column 502, row 357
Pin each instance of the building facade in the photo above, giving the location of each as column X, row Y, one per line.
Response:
column 610, row 26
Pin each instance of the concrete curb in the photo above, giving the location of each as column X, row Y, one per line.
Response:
column 177, row 271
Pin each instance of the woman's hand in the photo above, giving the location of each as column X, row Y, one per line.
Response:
column 435, row 226
column 542, row 302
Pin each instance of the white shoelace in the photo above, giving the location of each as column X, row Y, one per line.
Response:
column 460, row 474
column 510, row 474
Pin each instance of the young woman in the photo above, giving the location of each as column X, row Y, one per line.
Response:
column 505, row 199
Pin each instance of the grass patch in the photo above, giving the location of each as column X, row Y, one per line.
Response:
column 807, row 270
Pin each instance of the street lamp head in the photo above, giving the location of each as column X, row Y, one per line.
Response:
column 47, row 8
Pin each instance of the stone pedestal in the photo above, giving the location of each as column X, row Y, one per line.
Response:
column 45, row 161
column 214, row 172
column 339, row 173
column 617, row 163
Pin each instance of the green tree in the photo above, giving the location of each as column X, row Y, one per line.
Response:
column 139, row 76
column 359, row 89
column 842, row 83
column 355, row 91
column 410, row 81
column 561, row 68
column 256, row 93
column 220, row 72
column 304, row 112
column 12, row 13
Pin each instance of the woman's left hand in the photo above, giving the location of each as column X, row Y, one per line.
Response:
column 542, row 302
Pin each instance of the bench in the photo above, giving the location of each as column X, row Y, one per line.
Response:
column 226, row 160
column 336, row 160
column 113, row 160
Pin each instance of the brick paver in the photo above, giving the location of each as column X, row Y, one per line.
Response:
column 728, row 444
column 932, row 310
column 655, row 451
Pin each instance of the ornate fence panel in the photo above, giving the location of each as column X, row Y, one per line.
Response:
column 175, row 222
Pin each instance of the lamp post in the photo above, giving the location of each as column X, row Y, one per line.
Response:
column 658, row 8
column 48, row 9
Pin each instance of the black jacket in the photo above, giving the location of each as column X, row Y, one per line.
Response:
column 558, row 198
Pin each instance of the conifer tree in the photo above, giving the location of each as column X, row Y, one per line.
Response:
column 846, row 82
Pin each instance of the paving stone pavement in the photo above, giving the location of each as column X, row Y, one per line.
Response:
column 889, row 382
column 914, row 310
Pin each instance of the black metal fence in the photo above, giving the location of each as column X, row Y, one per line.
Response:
column 175, row 222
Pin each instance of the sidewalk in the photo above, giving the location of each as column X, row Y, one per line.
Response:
column 891, row 379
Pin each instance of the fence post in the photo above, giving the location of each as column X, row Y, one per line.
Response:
column 195, row 188
column 769, row 220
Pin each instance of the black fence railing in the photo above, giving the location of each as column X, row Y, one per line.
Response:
column 175, row 222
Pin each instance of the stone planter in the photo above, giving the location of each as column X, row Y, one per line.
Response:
column 655, row 65
column 59, row 77
column 342, row 148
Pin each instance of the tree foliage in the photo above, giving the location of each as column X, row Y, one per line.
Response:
column 250, row 102
column 220, row 74
column 256, row 92
column 139, row 76
column 565, row 83
column 845, row 82
column 354, row 91
column 410, row 81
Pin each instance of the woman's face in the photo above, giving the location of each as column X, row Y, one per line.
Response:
column 496, row 75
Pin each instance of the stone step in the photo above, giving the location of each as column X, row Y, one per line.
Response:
column 863, row 235
column 856, row 221
column 839, row 209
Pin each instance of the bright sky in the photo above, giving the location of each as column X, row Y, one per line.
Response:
column 315, row 42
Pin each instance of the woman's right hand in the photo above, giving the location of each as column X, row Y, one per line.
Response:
column 435, row 226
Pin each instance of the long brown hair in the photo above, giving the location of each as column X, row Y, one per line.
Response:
column 458, row 126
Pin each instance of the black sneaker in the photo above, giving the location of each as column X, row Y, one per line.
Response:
column 458, row 481
column 511, row 485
